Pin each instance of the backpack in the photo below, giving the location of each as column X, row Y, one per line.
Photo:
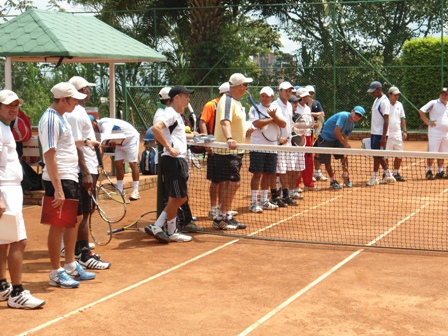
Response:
column 21, row 127
column 147, row 163
column 31, row 179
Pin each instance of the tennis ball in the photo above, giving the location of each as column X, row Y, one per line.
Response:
column 187, row 129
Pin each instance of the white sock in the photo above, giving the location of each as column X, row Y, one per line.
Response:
column 264, row 195
column 120, row 185
column 55, row 272
column 254, row 196
column 387, row 172
column 395, row 171
column 375, row 174
column 428, row 168
column 171, row 226
column 136, row 184
column 229, row 215
column 440, row 169
column 70, row 267
column 160, row 222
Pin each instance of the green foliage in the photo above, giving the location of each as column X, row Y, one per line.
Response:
column 422, row 79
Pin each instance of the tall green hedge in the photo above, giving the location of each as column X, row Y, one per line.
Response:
column 423, row 75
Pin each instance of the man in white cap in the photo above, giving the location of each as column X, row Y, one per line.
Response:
column 437, row 123
column 88, row 163
column 207, row 126
column 263, row 165
column 288, row 163
column 163, row 103
column 61, row 181
column 317, row 111
column 378, row 132
column 397, row 129
column 304, row 111
column 11, row 200
column 231, row 130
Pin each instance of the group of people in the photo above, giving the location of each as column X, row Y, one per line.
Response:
column 67, row 135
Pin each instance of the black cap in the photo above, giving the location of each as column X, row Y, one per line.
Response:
column 179, row 89
column 444, row 90
column 293, row 99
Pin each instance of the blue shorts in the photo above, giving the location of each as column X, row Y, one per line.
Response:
column 375, row 141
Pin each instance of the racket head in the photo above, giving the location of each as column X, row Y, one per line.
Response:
column 100, row 229
column 111, row 201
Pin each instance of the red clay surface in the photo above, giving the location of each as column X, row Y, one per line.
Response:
column 228, row 286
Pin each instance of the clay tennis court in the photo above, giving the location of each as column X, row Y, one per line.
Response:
column 230, row 286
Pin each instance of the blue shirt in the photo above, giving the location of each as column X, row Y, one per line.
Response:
column 340, row 119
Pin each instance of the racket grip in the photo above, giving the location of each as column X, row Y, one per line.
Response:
column 117, row 230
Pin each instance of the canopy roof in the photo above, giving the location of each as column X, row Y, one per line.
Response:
column 47, row 36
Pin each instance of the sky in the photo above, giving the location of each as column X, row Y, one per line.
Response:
column 288, row 45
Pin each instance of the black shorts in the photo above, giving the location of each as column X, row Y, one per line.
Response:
column 326, row 158
column 211, row 167
column 175, row 175
column 69, row 187
column 227, row 168
column 85, row 201
column 262, row 162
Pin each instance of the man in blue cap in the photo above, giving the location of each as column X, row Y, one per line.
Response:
column 335, row 134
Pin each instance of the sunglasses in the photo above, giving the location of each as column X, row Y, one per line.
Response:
column 245, row 84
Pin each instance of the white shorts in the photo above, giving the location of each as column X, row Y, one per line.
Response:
column 437, row 142
column 12, row 197
column 290, row 161
column 129, row 151
column 394, row 144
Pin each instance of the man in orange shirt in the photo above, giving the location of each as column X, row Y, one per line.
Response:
column 207, row 126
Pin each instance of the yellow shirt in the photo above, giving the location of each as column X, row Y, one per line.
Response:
column 230, row 109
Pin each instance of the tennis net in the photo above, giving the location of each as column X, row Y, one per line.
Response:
column 405, row 215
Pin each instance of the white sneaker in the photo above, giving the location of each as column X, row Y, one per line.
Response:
column 269, row 206
column 233, row 213
column 295, row 194
column 255, row 208
column 25, row 301
column 373, row 181
column 179, row 237
column 4, row 294
column 134, row 196
column 319, row 177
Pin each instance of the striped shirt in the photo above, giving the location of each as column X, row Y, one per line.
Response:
column 55, row 132
column 230, row 109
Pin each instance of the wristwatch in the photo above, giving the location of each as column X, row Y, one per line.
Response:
column 85, row 141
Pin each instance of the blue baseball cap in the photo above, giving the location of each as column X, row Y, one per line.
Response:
column 359, row 110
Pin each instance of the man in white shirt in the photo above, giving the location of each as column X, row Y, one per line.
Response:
column 82, row 129
column 378, row 132
column 397, row 129
column 263, row 165
column 437, row 110
column 128, row 151
column 61, row 181
column 11, row 200
column 169, row 131
column 288, row 163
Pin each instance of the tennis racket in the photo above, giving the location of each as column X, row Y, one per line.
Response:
column 99, row 225
column 193, row 116
column 261, row 114
column 140, row 223
column 300, row 128
column 320, row 124
column 108, row 197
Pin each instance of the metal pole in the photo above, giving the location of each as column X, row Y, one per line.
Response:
column 112, row 90
column 8, row 73
column 333, row 14
column 442, row 41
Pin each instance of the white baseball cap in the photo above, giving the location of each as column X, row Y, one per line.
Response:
column 394, row 90
column 225, row 87
column 285, row 86
column 8, row 96
column 267, row 90
column 65, row 89
column 302, row 92
column 309, row 88
column 79, row 82
column 163, row 94
column 238, row 78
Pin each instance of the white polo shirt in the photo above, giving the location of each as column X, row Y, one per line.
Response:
column 10, row 168
column 286, row 113
column 268, row 133
column 380, row 108
column 438, row 112
column 395, row 116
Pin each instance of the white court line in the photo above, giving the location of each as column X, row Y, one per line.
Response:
column 90, row 305
column 328, row 273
